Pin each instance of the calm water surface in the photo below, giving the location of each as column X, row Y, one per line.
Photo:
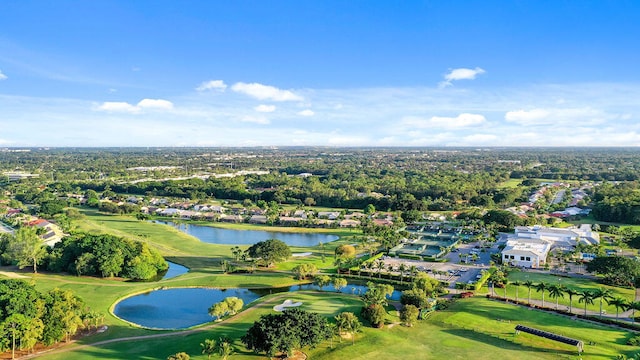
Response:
column 186, row 307
column 248, row 237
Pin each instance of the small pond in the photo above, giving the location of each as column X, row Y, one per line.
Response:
column 174, row 270
column 248, row 237
column 186, row 307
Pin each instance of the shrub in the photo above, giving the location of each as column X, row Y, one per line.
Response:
column 634, row 341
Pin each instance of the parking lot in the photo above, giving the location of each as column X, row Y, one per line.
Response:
column 456, row 269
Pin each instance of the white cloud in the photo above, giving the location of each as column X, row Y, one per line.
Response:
column 265, row 108
column 255, row 119
column 125, row 107
column 552, row 116
column 461, row 74
column 306, row 112
column 118, row 106
column 2, row 76
column 526, row 116
column 265, row 92
column 442, row 122
column 158, row 104
column 217, row 85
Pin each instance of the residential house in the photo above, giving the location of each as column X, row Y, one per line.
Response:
column 258, row 219
column 331, row 215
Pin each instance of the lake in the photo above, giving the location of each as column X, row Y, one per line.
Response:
column 182, row 308
column 248, row 237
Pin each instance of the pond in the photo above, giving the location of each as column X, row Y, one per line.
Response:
column 174, row 270
column 182, row 308
column 248, row 237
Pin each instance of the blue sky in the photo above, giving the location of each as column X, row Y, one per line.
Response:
column 336, row 73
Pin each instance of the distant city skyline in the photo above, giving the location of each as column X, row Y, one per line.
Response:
column 319, row 73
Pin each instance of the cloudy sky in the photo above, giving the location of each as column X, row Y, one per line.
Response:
column 319, row 72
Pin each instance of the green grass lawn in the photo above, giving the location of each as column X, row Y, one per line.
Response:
column 468, row 330
column 474, row 328
column 579, row 284
column 510, row 184
column 186, row 250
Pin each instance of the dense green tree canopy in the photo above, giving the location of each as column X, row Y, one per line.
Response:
column 106, row 256
column 616, row 270
column 285, row 332
column 269, row 251
column 28, row 316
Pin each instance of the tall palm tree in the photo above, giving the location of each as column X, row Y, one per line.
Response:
column 224, row 348
column 556, row 291
column 402, row 269
column 529, row 284
column 571, row 292
column 517, row 284
column 380, row 266
column 587, row 298
column 208, row 347
column 369, row 265
column 349, row 323
column 541, row 287
column 633, row 306
column 390, row 269
column 602, row 294
column 619, row 303
column 413, row 270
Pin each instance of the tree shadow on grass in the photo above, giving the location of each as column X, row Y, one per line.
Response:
column 504, row 341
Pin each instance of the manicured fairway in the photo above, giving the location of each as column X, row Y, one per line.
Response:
column 579, row 284
column 474, row 328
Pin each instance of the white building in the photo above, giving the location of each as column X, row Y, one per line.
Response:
column 530, row 253
column 563, row 237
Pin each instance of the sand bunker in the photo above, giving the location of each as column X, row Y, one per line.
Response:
column 301, row 254
column 286, row 304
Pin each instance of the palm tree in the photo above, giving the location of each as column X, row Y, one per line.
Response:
column 619, row 303
column 517, row 284
column 369, row 265
column 208, row 347
column 541, row 287
column 571, row 292
column 556, row 291
column 349, row 323
column 402, row 269
column 529, row 284
column 633, row 306
column 602, row 294
column 390, row 269
column 413, row 270
column 380, row 266
column 224, row 348
column 587, row 298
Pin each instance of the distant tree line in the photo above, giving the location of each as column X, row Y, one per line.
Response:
column 617, row 202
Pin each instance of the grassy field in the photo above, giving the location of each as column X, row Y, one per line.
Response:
column 579, row 284
column 471, row 329
column 186, row 250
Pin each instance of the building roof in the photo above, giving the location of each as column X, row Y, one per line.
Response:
column 524, row 246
